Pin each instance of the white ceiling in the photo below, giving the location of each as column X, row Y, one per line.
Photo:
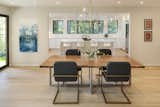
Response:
column 80, row 3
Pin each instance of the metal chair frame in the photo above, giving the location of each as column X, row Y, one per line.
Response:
column 57, row 92
column 122, row 91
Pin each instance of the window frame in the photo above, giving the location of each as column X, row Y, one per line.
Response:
column 117, row 23
column 53, row 26
column 7, row 40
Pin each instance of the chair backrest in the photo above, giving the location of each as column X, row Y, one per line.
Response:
column 75, row 52
column 65, row 71
column 120, row 70
column 105, row 51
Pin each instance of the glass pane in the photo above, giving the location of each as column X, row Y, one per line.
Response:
column 98, row 26
column 72, row 27
column 58, row 27
column 3, row 42
column 112, row 26
column 84, row 27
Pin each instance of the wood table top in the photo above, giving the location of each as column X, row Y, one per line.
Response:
column 88, row 62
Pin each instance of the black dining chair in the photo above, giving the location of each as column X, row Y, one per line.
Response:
column 75, row 52
column 65, row 71
column 102, row 52
column 117, row 72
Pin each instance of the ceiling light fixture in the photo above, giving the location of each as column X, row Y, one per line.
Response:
column 118, row 2
column 58, row 2
column 141, row 2
column 84, row 9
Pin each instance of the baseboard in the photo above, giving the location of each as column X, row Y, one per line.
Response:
column 25, row 65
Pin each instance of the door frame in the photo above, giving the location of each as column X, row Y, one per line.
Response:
column 7, row 31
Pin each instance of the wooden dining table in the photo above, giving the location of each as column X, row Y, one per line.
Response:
column 90, row 63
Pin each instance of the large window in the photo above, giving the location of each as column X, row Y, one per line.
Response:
column 112, row 26
column 85, row 27
column 4, row 60
column 98, row 26
column 58, row 26
column 72, row 27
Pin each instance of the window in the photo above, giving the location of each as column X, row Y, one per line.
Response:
column 4, row 45
column 72, row 27
column 112, row 26
column 58, row 26
column 85, row 27
column 98, row 26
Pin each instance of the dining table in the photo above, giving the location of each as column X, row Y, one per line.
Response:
column 84, row 61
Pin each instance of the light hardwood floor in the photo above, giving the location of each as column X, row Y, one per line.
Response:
column 28, row 87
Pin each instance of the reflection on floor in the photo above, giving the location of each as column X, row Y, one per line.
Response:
column 28, row 87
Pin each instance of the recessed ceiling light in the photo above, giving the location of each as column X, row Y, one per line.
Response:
column 118, row 2
column 84, row 9
column 58, row 2
column 141, row 2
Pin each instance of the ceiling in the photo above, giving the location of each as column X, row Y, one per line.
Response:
column 80, row 3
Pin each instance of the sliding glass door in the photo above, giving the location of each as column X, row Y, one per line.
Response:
column 4, row 42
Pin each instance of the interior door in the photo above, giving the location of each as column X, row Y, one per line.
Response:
column 4, row 41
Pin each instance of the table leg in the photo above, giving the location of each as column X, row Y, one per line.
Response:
column 50, row 76
column 90, row 73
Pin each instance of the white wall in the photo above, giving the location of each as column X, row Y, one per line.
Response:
column 29, row 16
column 145, row 52
column 5, row 10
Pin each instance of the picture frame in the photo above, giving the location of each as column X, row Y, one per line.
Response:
column 147, row 24
column 147, row 36
column 28, row 38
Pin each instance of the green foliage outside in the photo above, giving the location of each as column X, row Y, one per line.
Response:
column 85, row 27
column 3, row 58
column 72, row 27
column 2, row 40
column 58, row 27
column 112, row 26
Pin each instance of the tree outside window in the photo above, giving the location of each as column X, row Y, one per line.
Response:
column 112, row 26
column 58, row 26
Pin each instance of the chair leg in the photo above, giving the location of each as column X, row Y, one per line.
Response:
column 78, row 92
column 126, row 97
column 57, row 92
column 101, row 85
column 115, row 102
column 81, row 78
column 99, row 77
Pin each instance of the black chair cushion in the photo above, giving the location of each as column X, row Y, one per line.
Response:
column 121, row 69
column 65, row 68
column 75, row 52
column 104, row 52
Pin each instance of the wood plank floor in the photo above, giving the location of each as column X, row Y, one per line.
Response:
column 28, row 87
